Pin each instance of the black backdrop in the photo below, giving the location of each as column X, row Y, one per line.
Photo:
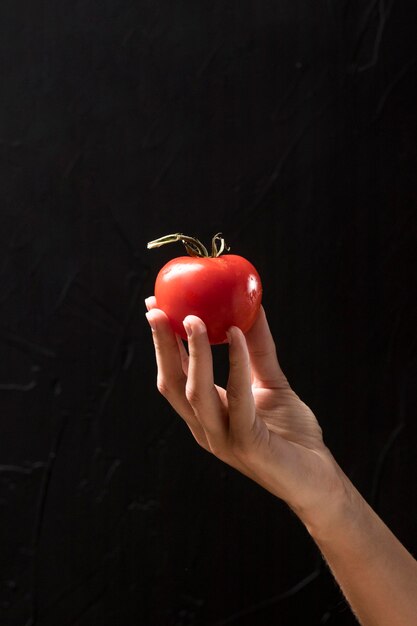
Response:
column 289, row 126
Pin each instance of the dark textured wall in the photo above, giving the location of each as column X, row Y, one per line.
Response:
column 291, row 127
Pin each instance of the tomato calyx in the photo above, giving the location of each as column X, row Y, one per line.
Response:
column 193, row 246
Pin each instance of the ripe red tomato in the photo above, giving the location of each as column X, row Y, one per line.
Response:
column 223, row 290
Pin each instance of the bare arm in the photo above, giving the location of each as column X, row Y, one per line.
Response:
column 377, row 575
column 261, row 427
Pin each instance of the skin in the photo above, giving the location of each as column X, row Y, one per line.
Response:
column 260, row 426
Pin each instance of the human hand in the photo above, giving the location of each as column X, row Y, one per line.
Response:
column 258, row 424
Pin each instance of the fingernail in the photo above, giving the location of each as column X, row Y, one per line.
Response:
column 147, row 303
column 151, row 321
column 188, row 329
column 229, row 336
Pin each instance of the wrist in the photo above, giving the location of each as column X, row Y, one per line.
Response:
column 334, row 508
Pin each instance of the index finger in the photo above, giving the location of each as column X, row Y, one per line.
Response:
column 150, row 304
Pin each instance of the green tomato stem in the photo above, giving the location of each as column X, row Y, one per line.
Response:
column 193, row 246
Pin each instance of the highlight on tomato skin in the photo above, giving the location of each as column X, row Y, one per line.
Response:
column 221, row 289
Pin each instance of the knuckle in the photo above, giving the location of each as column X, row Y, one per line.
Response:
column 193, row 395
column 162, row 387
column 238, row 362
column 167, row 389
column 271, row 351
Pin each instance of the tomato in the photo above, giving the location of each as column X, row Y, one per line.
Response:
column 223, row 289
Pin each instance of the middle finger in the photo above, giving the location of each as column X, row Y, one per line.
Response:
column 200, row 390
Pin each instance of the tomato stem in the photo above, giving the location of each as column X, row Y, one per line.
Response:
column 214, row 250
column 193, row 246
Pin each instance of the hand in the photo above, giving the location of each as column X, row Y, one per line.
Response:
column 258, row 424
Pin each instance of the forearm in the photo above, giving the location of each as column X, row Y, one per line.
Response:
column 374, row 570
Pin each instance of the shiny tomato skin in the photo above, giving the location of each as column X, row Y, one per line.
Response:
column 223, row 291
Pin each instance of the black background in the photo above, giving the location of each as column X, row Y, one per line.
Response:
column 289, row 126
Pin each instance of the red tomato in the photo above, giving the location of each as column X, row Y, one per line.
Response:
column 223, row 291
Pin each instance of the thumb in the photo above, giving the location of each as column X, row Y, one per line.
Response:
column 263, row 354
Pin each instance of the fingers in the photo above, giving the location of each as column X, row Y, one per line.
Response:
column 187, row 381
column 263, row 356
column 200, row 389
column 217, row 417
column 183, row 355
column 242, row 413
column 150, row 304
column 171, row 379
